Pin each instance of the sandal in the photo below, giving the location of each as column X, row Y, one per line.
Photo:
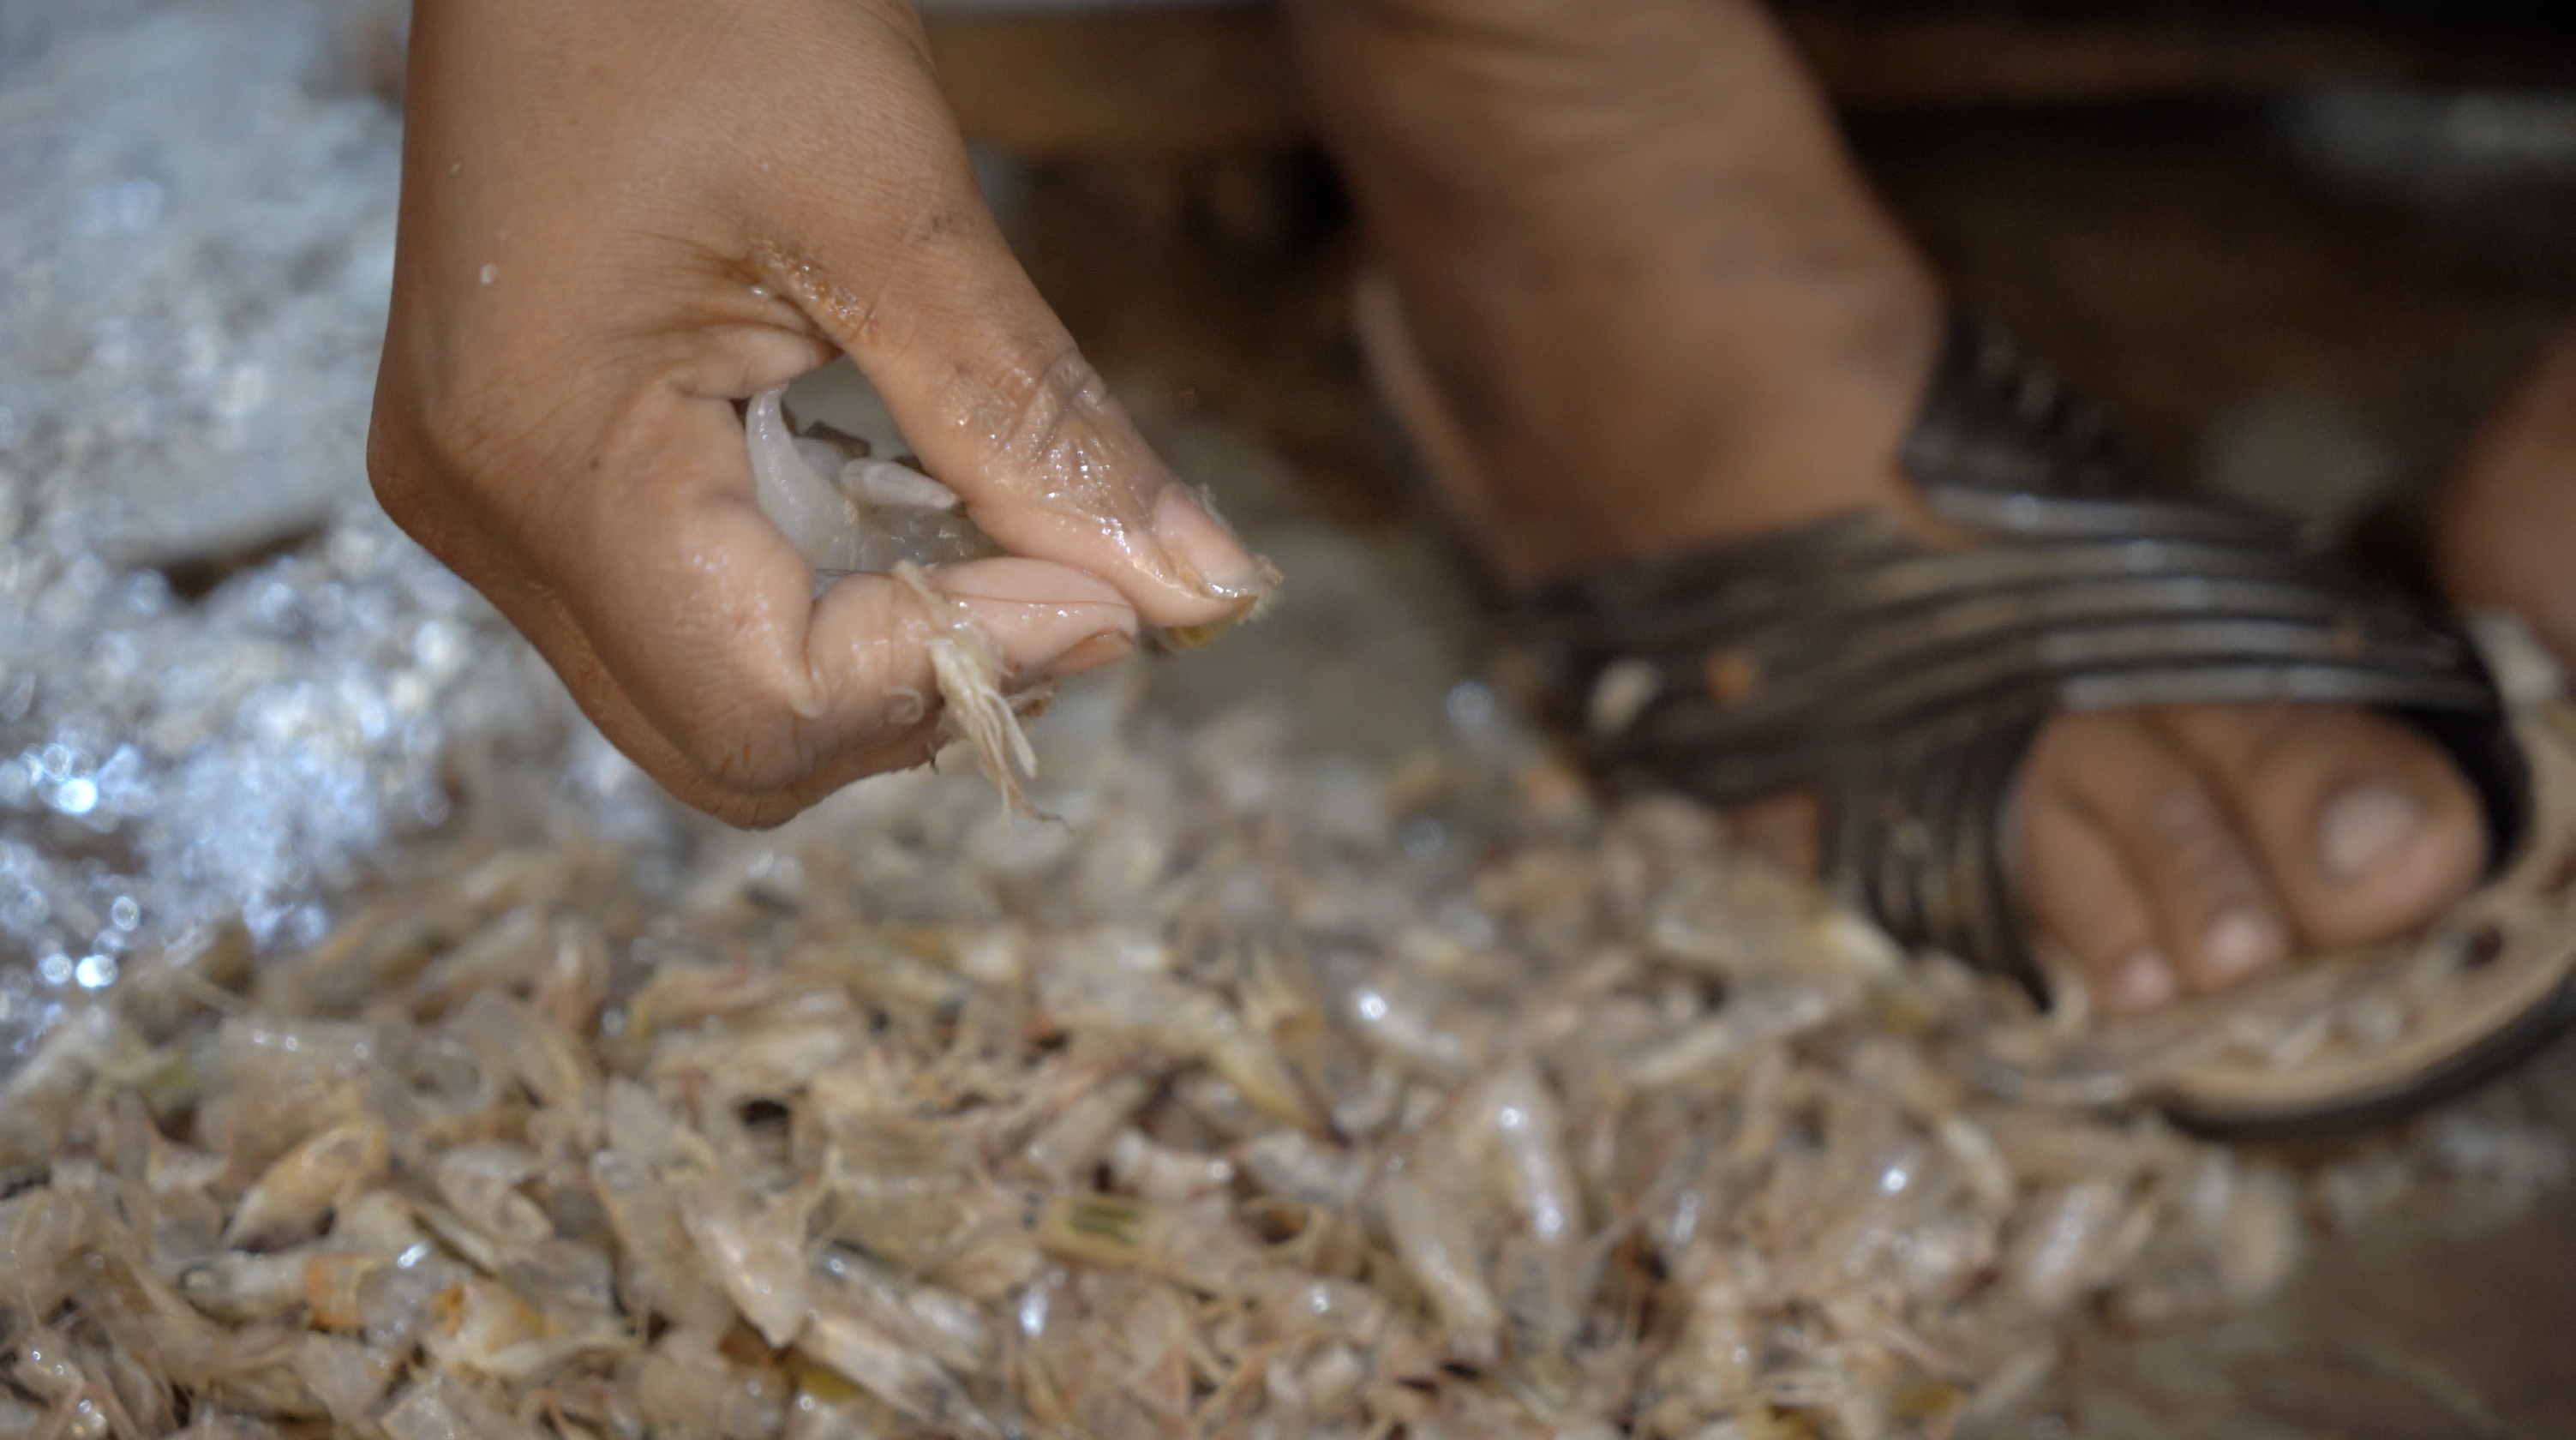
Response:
column 1902, row 684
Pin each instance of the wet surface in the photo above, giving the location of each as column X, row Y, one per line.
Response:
column 2422, row 1325
column 2487, row 1313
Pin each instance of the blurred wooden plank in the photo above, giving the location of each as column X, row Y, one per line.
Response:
column 1195, row 81
column 1932, row 62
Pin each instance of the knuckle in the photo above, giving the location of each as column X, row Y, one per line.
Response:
column 407, row 489
column 468, row 432
column 1051, row 406
column 745, row 749
column 393, row 473
column 496, row 401
column 712, row 796
column 422, row 469
column 757, row 770
column 2182, row 817
column 936, row 220
column 765, row 811
column 757, row 743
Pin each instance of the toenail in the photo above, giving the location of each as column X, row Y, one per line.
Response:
column 2143, row 980
column 2238, row 943
column 2364, row 825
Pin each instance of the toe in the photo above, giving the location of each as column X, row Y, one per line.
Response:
column 2085, row 902
column 1783, row 829
column 2196, row 875
column 2364, row 828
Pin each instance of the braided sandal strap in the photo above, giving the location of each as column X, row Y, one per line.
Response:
column 1904, row 683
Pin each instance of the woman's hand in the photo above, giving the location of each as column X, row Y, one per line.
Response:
column 620, row 217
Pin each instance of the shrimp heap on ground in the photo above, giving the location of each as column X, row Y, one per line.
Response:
column 1267, row 1098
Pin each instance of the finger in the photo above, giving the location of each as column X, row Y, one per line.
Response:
column 685, row 624
column 908, row 272
column 492, row 563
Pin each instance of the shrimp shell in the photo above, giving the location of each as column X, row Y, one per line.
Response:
column 1217, row 1114
column 308, row 1181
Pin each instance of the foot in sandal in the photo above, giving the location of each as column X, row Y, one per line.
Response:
column 1637, row 306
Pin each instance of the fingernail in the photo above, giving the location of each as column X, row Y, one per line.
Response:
column 2363, row 826
column 2143, row 980
column 1173, row 639
column 1210, row 557
column 2238, row 943
column 1088, row 653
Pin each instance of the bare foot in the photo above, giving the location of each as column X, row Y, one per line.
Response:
column 2508, row 512
column 1641, row 301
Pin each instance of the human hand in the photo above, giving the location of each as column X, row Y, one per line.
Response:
column 621, row 217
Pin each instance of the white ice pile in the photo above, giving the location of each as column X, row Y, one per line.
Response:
column 194, row 254
column 195, row 246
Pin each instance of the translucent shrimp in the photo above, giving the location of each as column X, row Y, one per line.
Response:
column 1163, row 1173
column 691, row 1389
column 37, row 1098
column 968, row 670
column 293, row 1195
column 1107, row 1230
column 943, row 1325
column 1519, row 1119
column 659, row 1271
column 240, row 1286
column 1439, row 1252
column 1294, row 1165
column 1235, row 1110
column 1081, row 988
column 753, row 1249
column 480, row 1182
column 911, row 1382
column 1080, row 1133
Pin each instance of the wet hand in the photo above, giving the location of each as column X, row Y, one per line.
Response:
column 621, row 219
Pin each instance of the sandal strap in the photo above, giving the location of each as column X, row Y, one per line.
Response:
column 1904, row 683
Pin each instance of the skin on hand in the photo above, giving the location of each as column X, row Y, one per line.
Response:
column 620, row 218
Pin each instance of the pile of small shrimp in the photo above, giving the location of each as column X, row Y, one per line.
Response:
column 1262, row 1098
